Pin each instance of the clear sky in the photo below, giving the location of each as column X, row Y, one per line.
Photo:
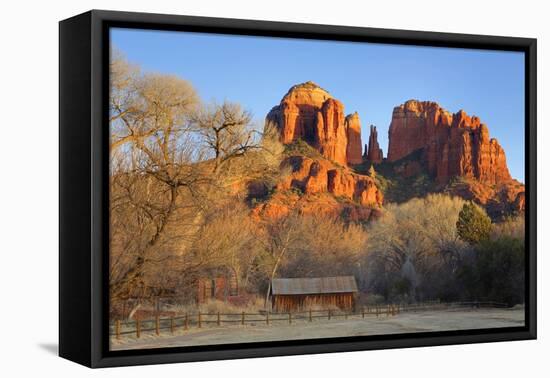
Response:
column 368, row 78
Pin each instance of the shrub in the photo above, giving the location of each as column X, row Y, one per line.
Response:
column 496, row 271
column 513, row 227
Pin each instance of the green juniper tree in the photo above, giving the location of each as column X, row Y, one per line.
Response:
column 372, row 172
column 473, row 225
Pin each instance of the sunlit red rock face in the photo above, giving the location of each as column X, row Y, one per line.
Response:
column 451, row 144
column 310, row 113
column 318, row 186
column 353, row 128
column 499, row 200
column 282, row 203
column 313, row 176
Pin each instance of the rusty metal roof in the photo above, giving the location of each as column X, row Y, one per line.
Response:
column 321, row 285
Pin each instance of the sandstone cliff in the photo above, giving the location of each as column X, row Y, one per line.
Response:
column 353, row 127
column 310, row 113
column 451, row 144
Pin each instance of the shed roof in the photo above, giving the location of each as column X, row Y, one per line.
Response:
column 320, row 285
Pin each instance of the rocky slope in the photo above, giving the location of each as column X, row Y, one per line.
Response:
column 315, row 185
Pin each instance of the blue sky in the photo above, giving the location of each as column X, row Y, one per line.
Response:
column 368, row 78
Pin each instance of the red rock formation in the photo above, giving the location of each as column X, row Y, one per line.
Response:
column 318, row 186
column 451, row 144
column 320, row 176
column 296, row 115
column 409, row 168
column 373, row 152
column 519, row 202
column 331, row 136
column 310, row 113
column 353, row 127
column 317, row 204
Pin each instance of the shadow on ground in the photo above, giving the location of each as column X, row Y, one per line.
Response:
column 51, row 348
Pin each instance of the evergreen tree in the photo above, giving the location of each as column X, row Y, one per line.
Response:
column 473, row 225
column 372, row 172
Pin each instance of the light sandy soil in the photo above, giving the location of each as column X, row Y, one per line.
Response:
column 444, row 320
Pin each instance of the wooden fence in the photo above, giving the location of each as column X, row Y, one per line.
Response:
column 201, row 319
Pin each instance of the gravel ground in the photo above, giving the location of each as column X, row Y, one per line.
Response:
column 444, row 320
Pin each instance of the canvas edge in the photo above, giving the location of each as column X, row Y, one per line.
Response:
column 75, row 271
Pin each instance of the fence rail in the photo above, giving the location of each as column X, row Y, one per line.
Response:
column 186, row 321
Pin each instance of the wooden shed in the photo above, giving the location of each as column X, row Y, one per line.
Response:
column 297, row 294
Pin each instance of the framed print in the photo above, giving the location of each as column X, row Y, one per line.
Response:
column 234, row 188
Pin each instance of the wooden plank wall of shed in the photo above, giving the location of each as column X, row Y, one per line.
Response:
column 288, row 303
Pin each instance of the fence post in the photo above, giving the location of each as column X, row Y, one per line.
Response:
column 289, row 318
column 363, row 312
column 117, row 329
column 219, row 322
column 242, row 318
column 157, row 325
column 329, row 314
column 267, row 318
column 310, row 315
column 186, row 322
column 200, row 320
column 138, row 328
column 172, row 324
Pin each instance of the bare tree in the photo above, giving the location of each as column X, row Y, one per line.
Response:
column 166, row 184
column 226, row 130
column 280, row 236
column 147, row 106
column 418, row 238
column 152, row 161
column 227, row 238
column 327, row 247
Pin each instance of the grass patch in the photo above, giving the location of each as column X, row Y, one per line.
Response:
column 301, row 147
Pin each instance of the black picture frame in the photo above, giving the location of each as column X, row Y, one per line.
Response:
column 83, row 181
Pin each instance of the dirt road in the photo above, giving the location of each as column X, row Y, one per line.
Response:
column 353, row 326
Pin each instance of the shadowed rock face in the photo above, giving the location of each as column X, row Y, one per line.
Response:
column 373, row 152
column 451, row 144
column 310, row 113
